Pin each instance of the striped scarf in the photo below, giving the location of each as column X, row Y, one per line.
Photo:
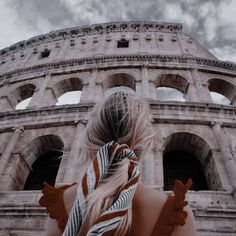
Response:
column 110, row 219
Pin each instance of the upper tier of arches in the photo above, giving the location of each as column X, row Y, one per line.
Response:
column 89, row 86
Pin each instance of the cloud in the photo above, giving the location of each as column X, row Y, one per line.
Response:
column 211, row 22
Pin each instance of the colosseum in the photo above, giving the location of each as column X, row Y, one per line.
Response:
column 195, row 136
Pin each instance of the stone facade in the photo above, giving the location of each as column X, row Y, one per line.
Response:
column 142, row 56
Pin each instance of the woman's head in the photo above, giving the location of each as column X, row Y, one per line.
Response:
column 122, row 117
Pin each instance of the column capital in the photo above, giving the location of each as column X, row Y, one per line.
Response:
column 144, row 66
column 84, row 122
column 18, row 129
column 94, row 68
column 216, row 123
column 48, row 75
column 194, row 69
column 6, row 83
column 157, row 150
column 233, row 192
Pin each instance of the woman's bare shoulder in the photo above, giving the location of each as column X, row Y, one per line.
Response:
column 189, row 228
column 69, row 197
column 153, row 196
column 147, row 206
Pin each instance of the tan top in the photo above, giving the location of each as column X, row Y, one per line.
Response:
column 172, row 213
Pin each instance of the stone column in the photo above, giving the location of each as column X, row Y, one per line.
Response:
column 148, row 89
column 5, row 103
column 91, row 91
column 144, row 75
column 198, row 91
column 69, row 172
column 158, row 174
column 5, row 158
column 42, row 96
column 191, row 95
column 233, row 99
column 148, row 169
column 229, row 161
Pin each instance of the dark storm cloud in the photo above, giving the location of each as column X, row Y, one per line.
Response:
column 211, row 22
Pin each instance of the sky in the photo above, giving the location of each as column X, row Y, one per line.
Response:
column 212, row 23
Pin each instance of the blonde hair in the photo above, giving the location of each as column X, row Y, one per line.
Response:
column 123, row 118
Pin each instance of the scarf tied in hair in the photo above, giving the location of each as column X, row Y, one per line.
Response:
column 110, row 219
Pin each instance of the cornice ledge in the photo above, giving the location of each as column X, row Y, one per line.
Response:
column 184, row 60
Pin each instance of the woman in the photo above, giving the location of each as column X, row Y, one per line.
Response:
column 110, row 198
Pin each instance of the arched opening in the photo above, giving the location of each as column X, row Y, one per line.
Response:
column 23, row 104
column 117, row 80
column 187, row 156
column 68, row 91
column 44, row 169
column 183, row 166
column 219, row 98
column 169, row 94
column 68, row 98
column 21, row 97
column 221, row 91
column 44, row 156
column 171, row 87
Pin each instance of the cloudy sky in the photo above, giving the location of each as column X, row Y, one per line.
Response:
column 212, row 23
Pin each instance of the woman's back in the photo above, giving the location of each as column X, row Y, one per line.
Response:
column 147, row 206
column 111, row 199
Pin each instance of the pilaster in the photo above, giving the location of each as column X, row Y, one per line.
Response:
column 68, row 171
column 91, row 90
column 229, row 161
column 148, row 88
column 43, row 96
column 198, row 91
column 6, row 155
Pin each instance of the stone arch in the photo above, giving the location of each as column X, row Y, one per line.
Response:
column 175, row 81
column 67, row 86
column 171, row 84
column 119, row 79
column 222, row 87
column 194, row 153
column 42, row 155
column 20, row 94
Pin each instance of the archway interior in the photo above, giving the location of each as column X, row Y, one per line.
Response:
column 219, row 98
column 169, row 94
column 183, row 166
column 221, row 91
column 44, row 155
column 23, row 104
column 22, row 96
column 68, row 98
column 117, row 80
column 171, row 87
column 68, row 91
column 44, row 169
column 186, row 156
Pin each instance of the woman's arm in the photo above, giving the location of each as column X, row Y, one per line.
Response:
column 189, row 228
column 52, row 228
column 58, row 202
